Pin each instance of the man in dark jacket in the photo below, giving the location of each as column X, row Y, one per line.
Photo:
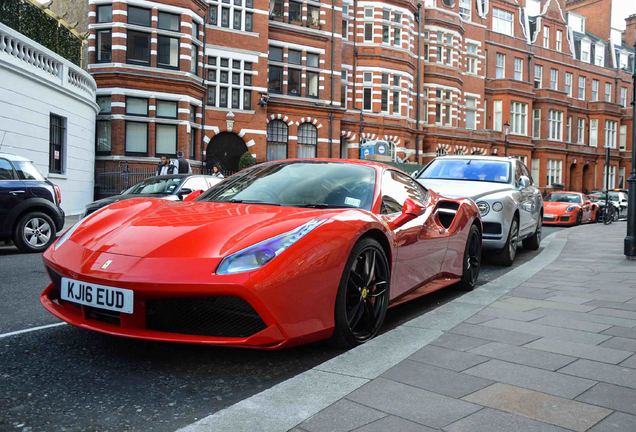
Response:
column 166, row 167
column 184, row 165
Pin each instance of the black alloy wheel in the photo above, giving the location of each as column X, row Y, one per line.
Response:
column 472, row 260
column 363, row 295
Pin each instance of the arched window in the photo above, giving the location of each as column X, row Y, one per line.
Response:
column 307, row 140
column 441, row 151
column 460, row 151
column 277, row 133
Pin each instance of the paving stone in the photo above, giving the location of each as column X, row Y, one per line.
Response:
column 602, row 319
column 446, row 358
column 408, row 402
column 539, row 406
column 614, row 305
column 435, row 379
column 529, row 304
column 525, row 356
column 586, row 351
column 394, row 424
column 615, row 313
column 494, row 312
column 630, row 362
column 547, row 331
column 611, row 396
column 572, row 324
column 494, row 334
column 478, row 319
column 446, row 316
column 602, row 372
column 562, row 298
column 616, row 422
column 342, row 416
column 489, row 420
column 603, row 298
column 532, row 378
column 458, row 342
column 622, row 332
column 621, row 344
column 532, row 293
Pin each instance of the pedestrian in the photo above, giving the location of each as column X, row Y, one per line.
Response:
column 166, row 167
column 184, row 165
column 216, row 172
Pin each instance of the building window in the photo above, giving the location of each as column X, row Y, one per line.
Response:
column 568, row 130
column 103, row 137
column 136, row 138
column 105, row 104
column 194, row 59
column 277, row 138
column 138, row 48
column 396, row 102
column 470, row 108
column 538, row 76
column 345, row 22
column 57, row 143
column 622, row 138
column 581, row 94
column 536, row 123
column 307, row 140
column 104, row 13
column 554, row 79
column 536, row 172
column 518, row 118
column 610, row 134
column 593, row 132
column 559, row 40
column 230, row 81
column 502, row 21
column 443, row 104
column 165, row 139
column 624, row 97
column 137, row 106
column 239, row 13
column 397, row 30
column 168, row 21
column 608, row 92
column 500, row 69
column 497, row 122
column 366, row 99
column 104, row 46
column 611, row 177
column 343, row 88
column 594, row 90
column 546, row 37
column 555, row 168
column 368, row 32
column 138, row 16
column 518, row 69
column 580, row 131
column 277, row 8
column 471, row 58
column 168, row 52
column 585, row 51
column 599, row 54
column 465, row 9
column 555, row 125
column 166, row 109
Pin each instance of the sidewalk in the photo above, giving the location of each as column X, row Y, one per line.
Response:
column 550, row 346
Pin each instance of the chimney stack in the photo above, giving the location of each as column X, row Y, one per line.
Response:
column 629, row 35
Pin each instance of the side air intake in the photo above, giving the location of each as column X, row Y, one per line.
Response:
column 446, row 212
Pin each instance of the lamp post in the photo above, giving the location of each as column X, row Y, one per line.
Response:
column 506, row 131
column 630, row 239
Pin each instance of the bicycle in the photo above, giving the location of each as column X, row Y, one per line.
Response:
column 609, row 214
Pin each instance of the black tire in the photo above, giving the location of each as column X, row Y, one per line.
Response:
column 361, row 304
column 579, row 218
column 506, row 256
column 472, row 260
column 534, row 241
column 34, row 232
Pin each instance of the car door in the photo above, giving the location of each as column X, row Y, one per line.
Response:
column 421, row 246
column 527, row 217
column 12, row 190
column 586, row 208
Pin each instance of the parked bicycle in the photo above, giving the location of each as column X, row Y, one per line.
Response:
column 608, row 214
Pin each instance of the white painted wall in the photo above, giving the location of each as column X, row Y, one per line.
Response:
column 29, row 93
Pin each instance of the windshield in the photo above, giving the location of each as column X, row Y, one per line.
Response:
column 28, row 171
column 299, row 184
column 158, row 186
column 564, row 198
column 468, row 169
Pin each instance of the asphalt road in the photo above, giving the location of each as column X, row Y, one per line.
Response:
column 66, row 379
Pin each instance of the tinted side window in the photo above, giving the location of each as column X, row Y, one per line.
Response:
column 6, row 170
column 396, row 188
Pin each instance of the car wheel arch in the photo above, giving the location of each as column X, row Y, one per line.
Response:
column 381, row 238
column 28, row 206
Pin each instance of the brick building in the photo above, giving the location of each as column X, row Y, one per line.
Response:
column 286, row 78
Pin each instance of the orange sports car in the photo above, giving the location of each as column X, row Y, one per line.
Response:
column 568, row 208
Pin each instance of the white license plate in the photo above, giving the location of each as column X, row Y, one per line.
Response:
column 549, row 216
column 99, row 296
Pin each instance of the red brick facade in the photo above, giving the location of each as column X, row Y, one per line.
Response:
column 303, row 78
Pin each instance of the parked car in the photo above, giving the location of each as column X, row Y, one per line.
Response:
column 569, row 208
column 283, row 253
column 30, row 212
column 169, row 187
column 510, row 205
column 617, row 196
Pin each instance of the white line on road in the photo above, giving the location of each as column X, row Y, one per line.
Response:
column 32, row 329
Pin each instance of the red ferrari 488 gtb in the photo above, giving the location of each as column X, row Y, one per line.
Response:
column 277, row 255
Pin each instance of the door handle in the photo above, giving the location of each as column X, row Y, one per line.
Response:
column 17, row 192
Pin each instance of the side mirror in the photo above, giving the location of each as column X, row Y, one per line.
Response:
column 524, row 182
column 588, row 202
column 410, row 210
column 183, row 192
column 194, row 195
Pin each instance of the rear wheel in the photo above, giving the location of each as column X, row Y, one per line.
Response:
column 507, row 255
column 363, row 295
column 34, row 232
column 534, row 241
column 472, row 260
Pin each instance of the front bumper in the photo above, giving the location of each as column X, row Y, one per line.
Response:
column 495, row 230
column 569, row 219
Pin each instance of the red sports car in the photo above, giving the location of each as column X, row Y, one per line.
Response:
column 277, row 255
column 568, row 208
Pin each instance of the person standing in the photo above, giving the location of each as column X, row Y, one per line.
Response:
column 183, row 164
column 216, row 172
column 166, row 167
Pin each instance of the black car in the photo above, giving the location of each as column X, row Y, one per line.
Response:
column 170, row 187
column 30, row 212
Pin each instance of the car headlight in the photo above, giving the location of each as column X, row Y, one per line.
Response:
column 497, row 206
column 483, row 207
column 570, row 209
column 69, row 232
column 258, row 255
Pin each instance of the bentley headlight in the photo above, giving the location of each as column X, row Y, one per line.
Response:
column 497, row 206
column 570, row 209
column 483, row 207
column 69, row 232
column 258, row 255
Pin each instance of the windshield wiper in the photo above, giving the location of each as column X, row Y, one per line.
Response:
column 322, row 205
column 239, row 201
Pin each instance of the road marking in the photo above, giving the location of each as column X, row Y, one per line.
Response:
column 32, row 329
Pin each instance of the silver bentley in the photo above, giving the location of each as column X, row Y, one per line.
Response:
column 510, row 204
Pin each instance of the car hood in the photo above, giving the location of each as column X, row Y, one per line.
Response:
column 159, row 228
column 105, row 201
column 464, row 188
column 553, row 206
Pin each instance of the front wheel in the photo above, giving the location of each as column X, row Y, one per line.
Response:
column 579, row 218
column 472, row 260
column 34, row 232
column 507, row 255
column 363, row 295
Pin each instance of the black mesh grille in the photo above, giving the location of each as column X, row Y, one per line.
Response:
column 492, row 228
column 223, row 316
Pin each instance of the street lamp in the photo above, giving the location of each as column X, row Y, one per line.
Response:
column 506, row 131
column 630, row 239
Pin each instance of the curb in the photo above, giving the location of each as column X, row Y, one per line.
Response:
column 289, row 403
